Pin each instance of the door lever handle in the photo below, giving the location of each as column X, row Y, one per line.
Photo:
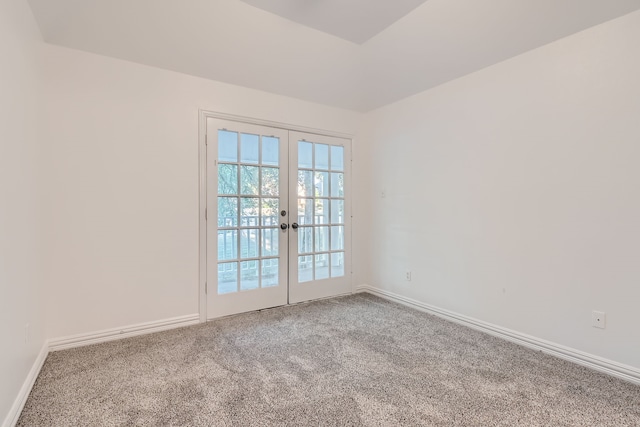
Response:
column 294, row 225
column 284, row 226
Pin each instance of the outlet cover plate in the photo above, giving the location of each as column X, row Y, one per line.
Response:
column 598, row 319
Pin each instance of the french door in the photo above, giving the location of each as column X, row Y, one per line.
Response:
column 278, row 217
column 319, row 246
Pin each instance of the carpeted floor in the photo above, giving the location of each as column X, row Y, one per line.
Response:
column 349, row 361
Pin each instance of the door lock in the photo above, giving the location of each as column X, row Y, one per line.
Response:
column 283, row 213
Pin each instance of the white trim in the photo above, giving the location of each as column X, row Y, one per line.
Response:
column 350, row 176
column 202, row 230
column 15, row 411
column 124, row 332
column 204, row 114
column 615, row 369
column 87, row 339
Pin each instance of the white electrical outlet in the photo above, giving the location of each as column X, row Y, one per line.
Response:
column 408, row 276
column 598, row 319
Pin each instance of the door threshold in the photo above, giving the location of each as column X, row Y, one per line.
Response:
column 283, row 305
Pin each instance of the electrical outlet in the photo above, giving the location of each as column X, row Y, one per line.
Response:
column 598, row 319
column 26, row 333
column 408, row 276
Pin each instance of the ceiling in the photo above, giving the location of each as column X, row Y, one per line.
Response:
column 359, row 57
column 353, row 20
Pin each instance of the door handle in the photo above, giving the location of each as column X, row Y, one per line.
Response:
column 284, row 226
column 294, row 225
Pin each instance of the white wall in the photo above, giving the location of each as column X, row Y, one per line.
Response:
column 123, row 183
column 20, row 232
column 513, row 193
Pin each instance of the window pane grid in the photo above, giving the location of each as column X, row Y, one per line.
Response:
column 321, row 217
column 248, row 209
column 246, row 259
column 247, row 227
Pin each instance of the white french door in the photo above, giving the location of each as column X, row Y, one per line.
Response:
column 319, row 247
column 278, row 217
column 247, row 178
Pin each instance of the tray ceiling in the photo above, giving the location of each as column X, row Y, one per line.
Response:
column 310, row 49
column 353, row 20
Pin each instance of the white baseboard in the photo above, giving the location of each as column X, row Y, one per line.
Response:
column 86, row 339
column 124, row 332
column 21, row 399
column 625, row 372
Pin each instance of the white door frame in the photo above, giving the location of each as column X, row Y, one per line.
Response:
column 202, row 161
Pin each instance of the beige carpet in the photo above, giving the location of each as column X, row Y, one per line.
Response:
column 349, row 361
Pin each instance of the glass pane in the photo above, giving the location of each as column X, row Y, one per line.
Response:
column 305, row 185
column 305, row 155
column 321, row 184
column 270, row 211
column 227, row 211
column 249, row 148
column 322, row 266
column 270, row 237
column 249, row 243
column 249, row 211
column 270, row 181
column 305, row 268
column 321, row 239
column 337, row 211
column 270, row 151
column 227, row 244
column 227, row 146
column 249, row 277
column 337, row 238
column 322, row 156
column 227, row 278
column 249, row 179
column 305, row 211
column 227, row 179
column 269, row 272
column 322, row 211
column 337, row 264
column 337, row 185
column 337, row 158
column 305, row 240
